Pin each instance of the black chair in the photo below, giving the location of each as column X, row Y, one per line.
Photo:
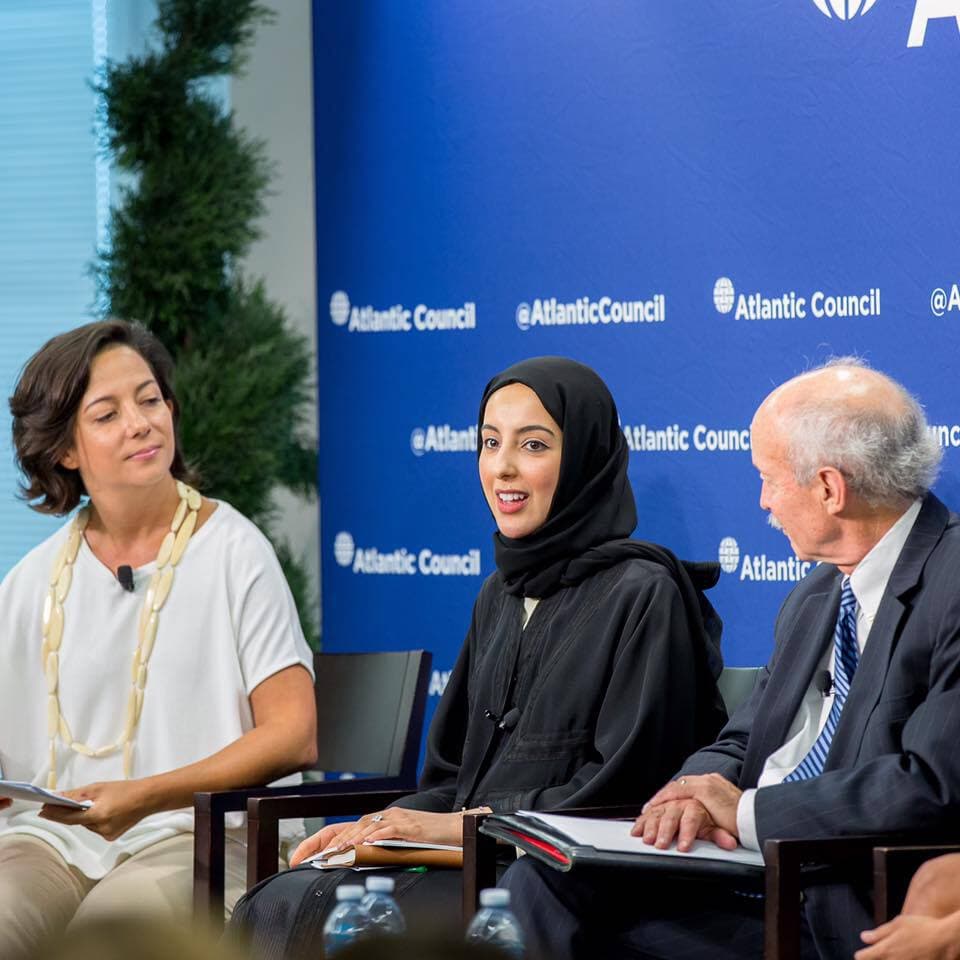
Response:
column 370, row 709
column 790, row 864
column 735, row 685
column 893, row 869
column 480, row 851
column 888, row 862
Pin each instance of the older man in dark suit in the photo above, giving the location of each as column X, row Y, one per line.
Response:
column 845, row 461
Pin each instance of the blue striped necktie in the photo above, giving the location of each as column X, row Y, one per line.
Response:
column 846, row 656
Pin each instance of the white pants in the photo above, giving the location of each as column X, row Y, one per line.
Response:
column 41, row 894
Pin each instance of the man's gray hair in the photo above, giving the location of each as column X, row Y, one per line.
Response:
column 886, row 455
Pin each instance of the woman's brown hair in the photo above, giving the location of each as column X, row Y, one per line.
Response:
column 46, row 398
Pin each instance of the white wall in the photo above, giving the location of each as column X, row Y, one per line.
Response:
column 274, row 102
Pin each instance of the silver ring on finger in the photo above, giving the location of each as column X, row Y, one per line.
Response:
column 682, row 781
column 376, row 818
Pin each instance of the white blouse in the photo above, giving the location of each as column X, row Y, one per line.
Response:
column 228, row 624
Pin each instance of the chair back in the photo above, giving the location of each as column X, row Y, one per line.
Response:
column 370, row 710
column 735, row 685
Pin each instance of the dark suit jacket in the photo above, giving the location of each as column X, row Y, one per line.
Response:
column 894, row 763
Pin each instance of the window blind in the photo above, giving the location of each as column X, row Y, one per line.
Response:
column 48, row 206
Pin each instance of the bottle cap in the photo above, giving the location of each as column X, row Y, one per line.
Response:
column 494, row 897
column 350, row 891
column 380, row 884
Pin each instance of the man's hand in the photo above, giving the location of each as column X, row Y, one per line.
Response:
column 394, row 823
column 688, row 809
column 912, row 937
column 117, row 806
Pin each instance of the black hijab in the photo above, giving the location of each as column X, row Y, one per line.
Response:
column 593, row 511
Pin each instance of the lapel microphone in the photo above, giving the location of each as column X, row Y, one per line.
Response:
column 510, row 719
column 125, row 576
column 823, row 681
column 506, row 722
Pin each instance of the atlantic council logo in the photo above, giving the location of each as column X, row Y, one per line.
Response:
column 403, row 561
column 945, row 300
column 723, row 295
column 758, row 567
column 946, row 434
column 586, row 311
column 927, row 10
column 438, row 682
column 923, row 12
column 398, row 318
column 790, row 305
column 339, row 308
column 843, row 9
column 343, row 548
column 682, row 438
column 523, row 316
column 442, row 438
column 729, row 555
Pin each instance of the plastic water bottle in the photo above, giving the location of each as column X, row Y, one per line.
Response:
column 347, row 922
column 383, row 914
column 495, row 924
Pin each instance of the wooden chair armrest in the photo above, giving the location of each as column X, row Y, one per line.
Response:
column 209, row 811
column 210, row 808
column 264, row 814
column 480, row 851
column 893, row 868
column 785, row 862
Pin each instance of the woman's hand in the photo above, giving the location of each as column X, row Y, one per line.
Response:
column 394, row 823
column 117, row 806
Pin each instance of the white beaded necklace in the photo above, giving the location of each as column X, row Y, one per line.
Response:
column 171, row 550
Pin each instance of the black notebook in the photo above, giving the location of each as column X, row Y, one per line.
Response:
column 563, row 842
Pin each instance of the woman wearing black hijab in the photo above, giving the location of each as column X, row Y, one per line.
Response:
column 589, row 671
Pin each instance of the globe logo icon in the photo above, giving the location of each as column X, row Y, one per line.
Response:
column 343, row 548
column 843, row 9
column 339, row 308
column 723, row 295
column 729, row 555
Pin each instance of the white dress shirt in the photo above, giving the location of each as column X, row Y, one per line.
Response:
column 868, row 582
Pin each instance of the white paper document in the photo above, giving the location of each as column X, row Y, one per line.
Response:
column 19, row 790
column 614, row 835
column 402, row 844
column 415, row 844
column 350, row 857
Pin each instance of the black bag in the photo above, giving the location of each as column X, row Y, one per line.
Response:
column 282, row 917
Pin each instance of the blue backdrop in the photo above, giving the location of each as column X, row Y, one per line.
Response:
column 698, row 199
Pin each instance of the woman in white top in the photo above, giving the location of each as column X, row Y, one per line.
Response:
column 150, row 647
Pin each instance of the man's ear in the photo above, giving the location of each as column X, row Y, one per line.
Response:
column 832, row 485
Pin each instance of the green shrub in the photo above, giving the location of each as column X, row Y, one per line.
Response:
column 196, row 186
